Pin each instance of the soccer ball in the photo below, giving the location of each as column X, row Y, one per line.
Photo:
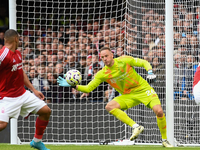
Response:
column 73, row 77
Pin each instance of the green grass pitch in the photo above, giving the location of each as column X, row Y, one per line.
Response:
column 93, row 147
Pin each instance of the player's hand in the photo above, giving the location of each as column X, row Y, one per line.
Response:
column 46, row 88
column 62, row 82
column 151, row 77
column 84, row 95
column 39, row 94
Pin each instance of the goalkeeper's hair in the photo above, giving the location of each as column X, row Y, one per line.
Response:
column 105, row 48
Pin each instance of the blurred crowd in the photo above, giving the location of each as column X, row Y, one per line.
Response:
column 49, row 52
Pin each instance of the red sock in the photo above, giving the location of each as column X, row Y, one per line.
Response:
column 40, row 126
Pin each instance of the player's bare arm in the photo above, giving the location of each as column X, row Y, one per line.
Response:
column 28, row 84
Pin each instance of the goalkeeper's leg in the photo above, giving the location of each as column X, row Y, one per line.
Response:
column 161, row 121
column 114, row 108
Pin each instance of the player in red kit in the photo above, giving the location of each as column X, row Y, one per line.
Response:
column 196, row 86
column 14, row 99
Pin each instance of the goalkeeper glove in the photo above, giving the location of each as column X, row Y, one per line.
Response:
column 62, row 82
column 151, row 77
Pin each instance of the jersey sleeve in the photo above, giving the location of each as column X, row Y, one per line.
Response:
column 92, row 84
column 136, row 62
column 2, row 63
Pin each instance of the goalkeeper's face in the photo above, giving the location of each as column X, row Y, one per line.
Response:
column 107, row 57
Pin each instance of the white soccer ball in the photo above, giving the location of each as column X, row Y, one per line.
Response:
column 73, row 77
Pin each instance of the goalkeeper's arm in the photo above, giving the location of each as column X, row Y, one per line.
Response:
column 90, row 87
column 151, row 77
column 83, row 88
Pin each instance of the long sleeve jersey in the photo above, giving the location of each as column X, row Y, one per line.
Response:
column 121, row 76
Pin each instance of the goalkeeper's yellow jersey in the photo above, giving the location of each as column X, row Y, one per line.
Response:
column 121, row 76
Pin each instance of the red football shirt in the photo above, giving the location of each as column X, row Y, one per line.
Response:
column 196, row 76
column 11, row 74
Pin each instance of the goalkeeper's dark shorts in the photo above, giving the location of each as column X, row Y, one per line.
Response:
column 147, row 96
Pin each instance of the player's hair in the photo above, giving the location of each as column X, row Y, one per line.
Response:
column 10, row 33
column 105, row 48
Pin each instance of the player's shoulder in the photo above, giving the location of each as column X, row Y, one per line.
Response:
column 124, row 58
column 18, row 52
column 101, row 72
column 3, row 53
column 2, row 50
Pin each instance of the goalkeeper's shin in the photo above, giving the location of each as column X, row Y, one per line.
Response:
column 122, row 116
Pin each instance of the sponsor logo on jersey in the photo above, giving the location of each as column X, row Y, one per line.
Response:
column 16, row 66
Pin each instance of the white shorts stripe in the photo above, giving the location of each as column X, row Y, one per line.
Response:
column 4, row 54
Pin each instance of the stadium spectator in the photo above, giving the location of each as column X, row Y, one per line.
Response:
column 97, row 95
column 194, row 45
column 82, row 68
column 149, row 57
column 48, row 48
column 52, row 94
column 50, row 68
column 107, row 94
column 149, row 40
column 1, row 46
column 54, row 48
column 40, row 83
column 120, row 51
column 42, row 59
column 62, row 97
column 178, row 74
column 28, row 53
column 158, row 68
column 89, row 63
column 161, row 54
column 39, row 49
column 71, row 63
column 76, row 96
column 54, row 58
column 189, row 71
column 32, row 74
column 2, row 38
column 61, row 56
column 145, row 50
column 83, row 53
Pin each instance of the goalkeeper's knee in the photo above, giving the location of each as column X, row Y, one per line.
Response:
column 112, row 105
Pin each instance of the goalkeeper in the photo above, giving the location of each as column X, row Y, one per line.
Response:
column 121, row 75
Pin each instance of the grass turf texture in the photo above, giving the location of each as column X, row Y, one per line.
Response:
column 93, row 147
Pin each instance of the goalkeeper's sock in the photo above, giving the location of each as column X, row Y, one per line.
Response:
column 40, row 126
column 135, row 125
column 122, row 116
column 161, row 121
